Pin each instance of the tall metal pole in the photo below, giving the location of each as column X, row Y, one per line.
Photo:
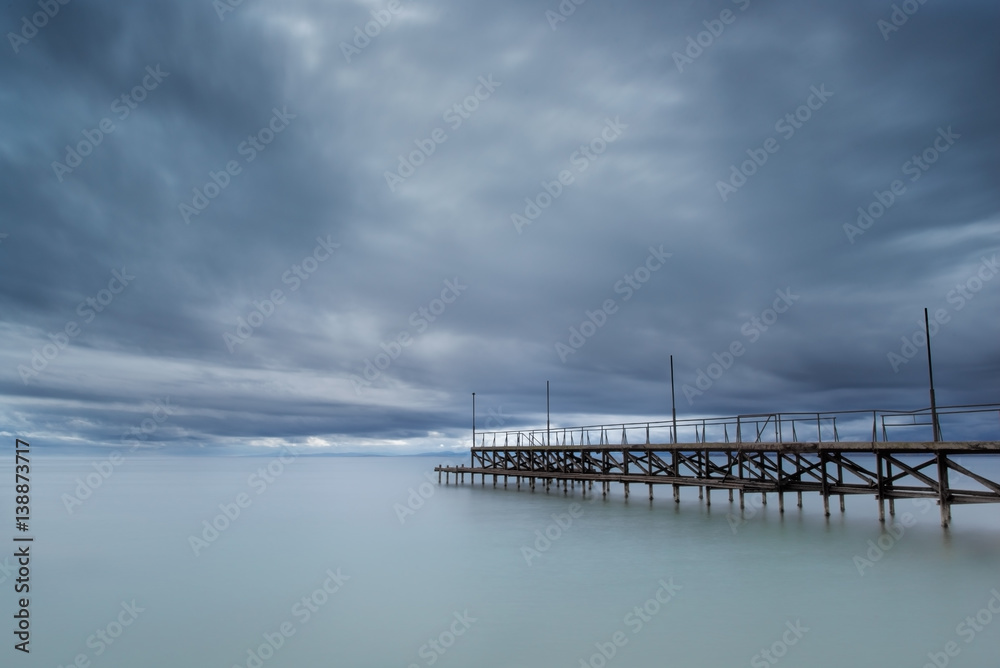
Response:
column 473, row 419
column 548, row 432
column 673, row 404
column 930, row 373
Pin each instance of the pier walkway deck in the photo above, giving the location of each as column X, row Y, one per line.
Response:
column 950, row 472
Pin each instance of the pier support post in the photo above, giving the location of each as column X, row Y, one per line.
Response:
column 781, row 492
column 763, row 476
column 650, row 491
column 676, row 470
column 825, row 485
column 798, row 470
column 840, row 481
column 892, row 499
column 705, row 473
column 739, row 466
column 881, row 488
column 942, row 467
column 626, row 491
column 729, row 471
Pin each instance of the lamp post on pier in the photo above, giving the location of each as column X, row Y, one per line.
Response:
column 673, row 404
column 548, row 422
column 930, row 372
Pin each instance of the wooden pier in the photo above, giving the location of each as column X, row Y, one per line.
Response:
column 887, row 470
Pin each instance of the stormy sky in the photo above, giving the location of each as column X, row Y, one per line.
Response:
column 326, row 223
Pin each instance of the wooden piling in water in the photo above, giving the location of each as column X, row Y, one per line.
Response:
column 781, row 489
column 942, row 468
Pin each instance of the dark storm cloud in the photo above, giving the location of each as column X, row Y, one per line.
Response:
column 531, row 163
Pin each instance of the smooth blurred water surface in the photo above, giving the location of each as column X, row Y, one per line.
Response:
column 738, row 586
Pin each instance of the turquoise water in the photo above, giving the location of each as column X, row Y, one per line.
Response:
column 465, row 580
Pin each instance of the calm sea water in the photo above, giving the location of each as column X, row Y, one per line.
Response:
column 322, row 567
